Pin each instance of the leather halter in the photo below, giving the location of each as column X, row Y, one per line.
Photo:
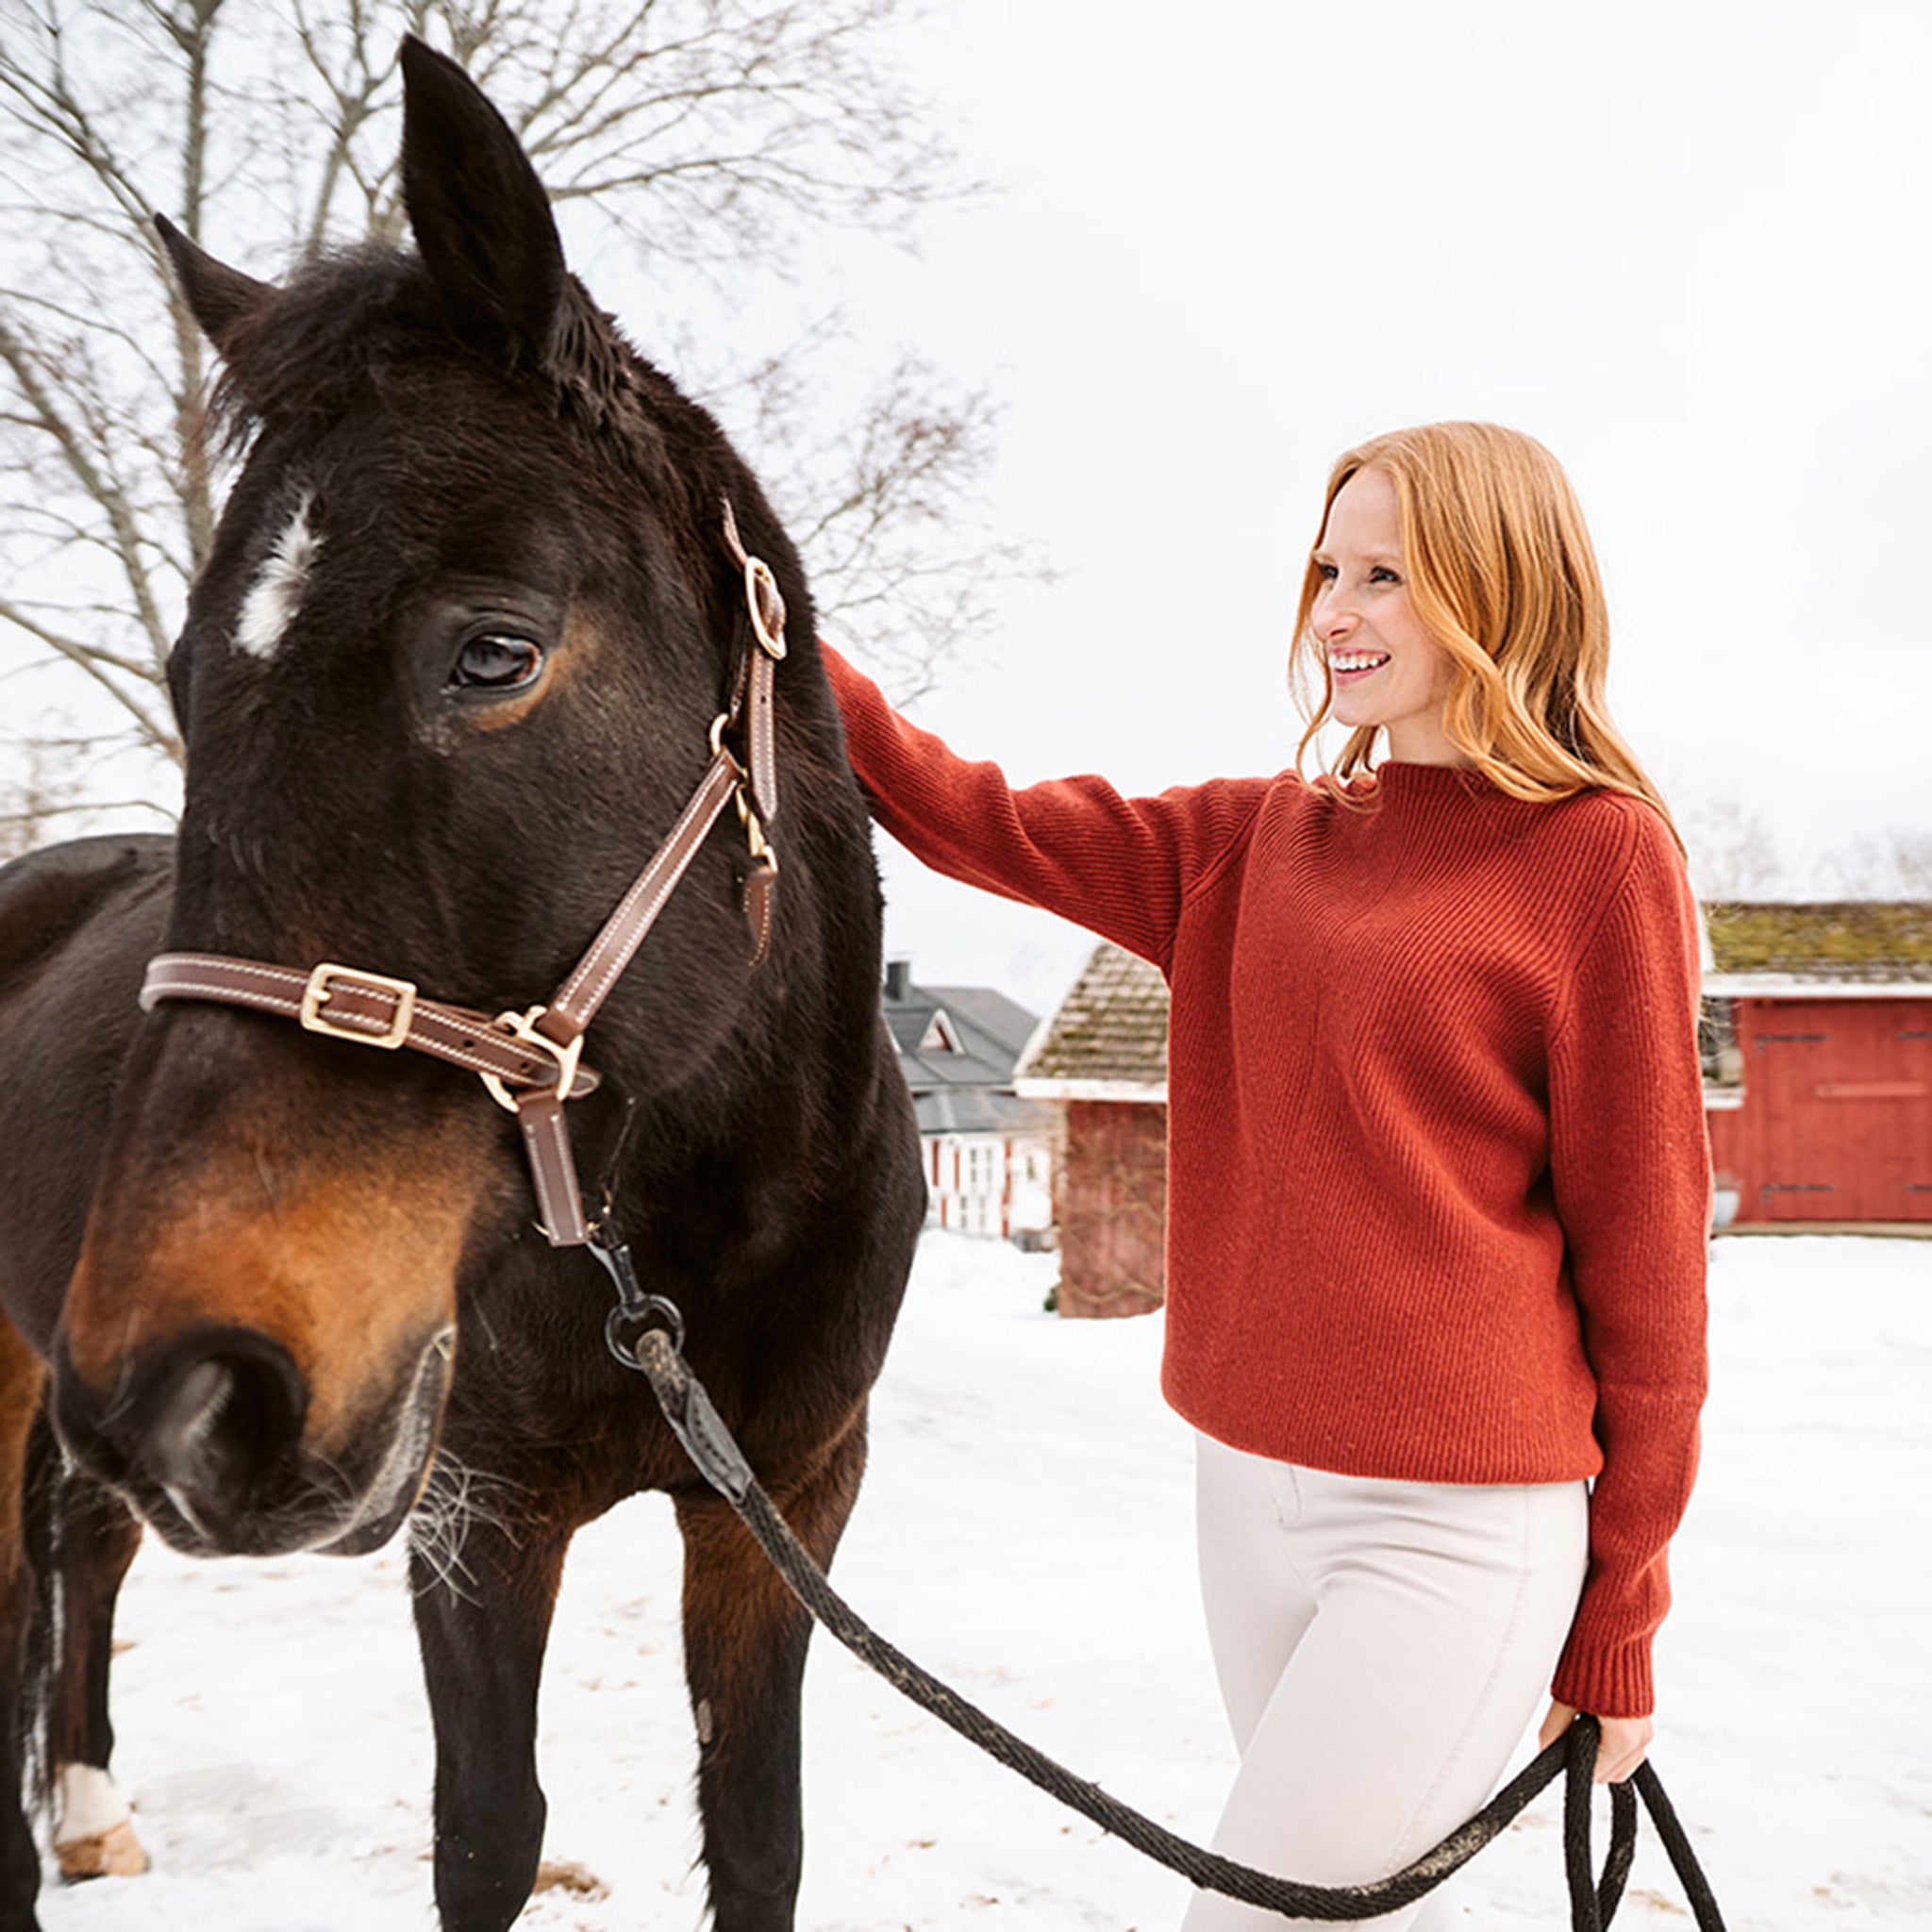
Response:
column 530, row 1061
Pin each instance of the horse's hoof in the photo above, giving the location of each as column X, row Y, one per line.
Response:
column 115, row 1853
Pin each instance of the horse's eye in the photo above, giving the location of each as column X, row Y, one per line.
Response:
column 496, row 661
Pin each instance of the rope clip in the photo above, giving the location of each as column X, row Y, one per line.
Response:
column 636, row 1313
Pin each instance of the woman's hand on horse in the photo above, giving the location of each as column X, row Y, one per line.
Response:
column 1620, row 1748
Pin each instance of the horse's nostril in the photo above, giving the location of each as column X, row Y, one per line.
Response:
column 179, row 1444
column 225, row 1421
column 192, row 1409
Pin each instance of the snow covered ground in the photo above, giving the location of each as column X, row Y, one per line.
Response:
column 1025, row 1532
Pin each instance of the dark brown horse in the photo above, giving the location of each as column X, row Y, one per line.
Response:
column 449, row 675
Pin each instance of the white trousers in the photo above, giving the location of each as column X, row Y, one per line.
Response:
column 1381, row 1647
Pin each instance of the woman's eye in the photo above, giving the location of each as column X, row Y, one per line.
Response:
column 496, row 661
column 1326, row 572
column 1383, row 575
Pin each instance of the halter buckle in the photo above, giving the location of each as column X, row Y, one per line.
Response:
column 754, row 828
column 522, row 1028
column 762, row 591
column 328, row 977
column 767, row 607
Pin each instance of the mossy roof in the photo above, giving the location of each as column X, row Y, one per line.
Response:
column 1111, row 1026
column 1851, row 939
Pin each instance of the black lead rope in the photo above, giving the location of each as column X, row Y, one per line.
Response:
column 646, row 1333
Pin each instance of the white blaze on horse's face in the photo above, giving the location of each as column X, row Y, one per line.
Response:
column 276, row 595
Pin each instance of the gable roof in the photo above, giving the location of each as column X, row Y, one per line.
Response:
column 1108, row 1040
column 1838, row 945
column 958, row 1040
column 1002, row 1020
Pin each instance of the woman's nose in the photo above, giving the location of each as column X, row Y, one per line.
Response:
column 1332, row 618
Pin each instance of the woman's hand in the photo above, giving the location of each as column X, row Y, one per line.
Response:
column 1620, row 1748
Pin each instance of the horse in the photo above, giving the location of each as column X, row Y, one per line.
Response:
column 480, row 612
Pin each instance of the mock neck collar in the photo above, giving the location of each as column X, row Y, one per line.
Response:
column 1398, row 779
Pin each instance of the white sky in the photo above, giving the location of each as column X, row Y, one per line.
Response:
column 1686, row 244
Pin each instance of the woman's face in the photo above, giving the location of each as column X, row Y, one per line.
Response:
column 1385, row 668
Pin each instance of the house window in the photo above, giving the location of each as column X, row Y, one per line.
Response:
column 939, row 1035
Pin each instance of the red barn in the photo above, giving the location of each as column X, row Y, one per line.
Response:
column 1103, row 1060
column 1818, row 1046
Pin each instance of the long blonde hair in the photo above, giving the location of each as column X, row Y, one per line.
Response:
column 1503, row 576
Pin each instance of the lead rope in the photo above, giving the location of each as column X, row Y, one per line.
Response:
column 646, row 1333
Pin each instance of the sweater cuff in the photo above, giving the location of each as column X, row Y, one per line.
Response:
column 1605, row 1678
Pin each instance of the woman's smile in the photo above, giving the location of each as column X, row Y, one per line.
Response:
column 1352, row 666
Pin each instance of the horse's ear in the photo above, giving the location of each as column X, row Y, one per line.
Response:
column 219, row 297
column 480, row 214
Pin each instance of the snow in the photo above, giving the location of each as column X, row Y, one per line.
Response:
column 1025, row 1532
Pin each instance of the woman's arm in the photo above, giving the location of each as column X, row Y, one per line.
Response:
column 1120, row 866
column 1631, row 1169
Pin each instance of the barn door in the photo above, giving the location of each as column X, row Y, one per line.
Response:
column 1842, row 1091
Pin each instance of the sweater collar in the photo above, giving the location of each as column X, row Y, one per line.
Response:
column 1399, row 781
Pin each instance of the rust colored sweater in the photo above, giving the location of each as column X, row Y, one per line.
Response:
column 1438, row 1182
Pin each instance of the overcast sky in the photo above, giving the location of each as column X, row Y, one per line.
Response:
column 1685, row 244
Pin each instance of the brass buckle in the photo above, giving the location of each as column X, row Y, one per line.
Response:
column 522, row 1026
column 328, row 977
column 767, row 607
column 754, row 826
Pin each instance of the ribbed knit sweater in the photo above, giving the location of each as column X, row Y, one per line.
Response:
column 1437, row 1181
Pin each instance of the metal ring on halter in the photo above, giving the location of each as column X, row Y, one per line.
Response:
column 627, row 1324
column 523, row 1027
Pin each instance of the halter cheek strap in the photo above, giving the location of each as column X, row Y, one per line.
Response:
column 530, row 1061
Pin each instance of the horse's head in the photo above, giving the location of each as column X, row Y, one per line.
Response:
column 446, row 680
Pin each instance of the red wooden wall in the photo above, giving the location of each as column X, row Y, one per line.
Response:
column 1113, row 1208
column 1837, row 1117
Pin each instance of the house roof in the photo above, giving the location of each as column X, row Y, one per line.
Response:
column 955, row 1039
column 979, row 1110
column 1002, row 1019
column 1108, row 1040
column 1842, row 942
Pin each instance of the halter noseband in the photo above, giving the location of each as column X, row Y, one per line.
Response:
column 530, row 1061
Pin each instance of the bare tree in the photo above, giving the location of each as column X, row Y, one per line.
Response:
column 36, row 795
column 1732, row 856
column 1911, row 863
column 1894, row 864
column 717, row 137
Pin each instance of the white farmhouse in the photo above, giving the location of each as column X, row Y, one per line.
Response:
column 989, row 1154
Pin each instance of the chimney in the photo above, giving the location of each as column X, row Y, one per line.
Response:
column 898, row 979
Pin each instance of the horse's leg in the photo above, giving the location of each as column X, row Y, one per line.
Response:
column 482, row 1622
column 88, row 1538
column 21, row 1377
column 744, row 1639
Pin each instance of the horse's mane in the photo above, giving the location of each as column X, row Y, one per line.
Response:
column 348, row 325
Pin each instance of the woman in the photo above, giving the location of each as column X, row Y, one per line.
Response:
column 1438, row 1178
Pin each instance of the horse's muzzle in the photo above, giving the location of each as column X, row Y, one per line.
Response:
column 206, row 1438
